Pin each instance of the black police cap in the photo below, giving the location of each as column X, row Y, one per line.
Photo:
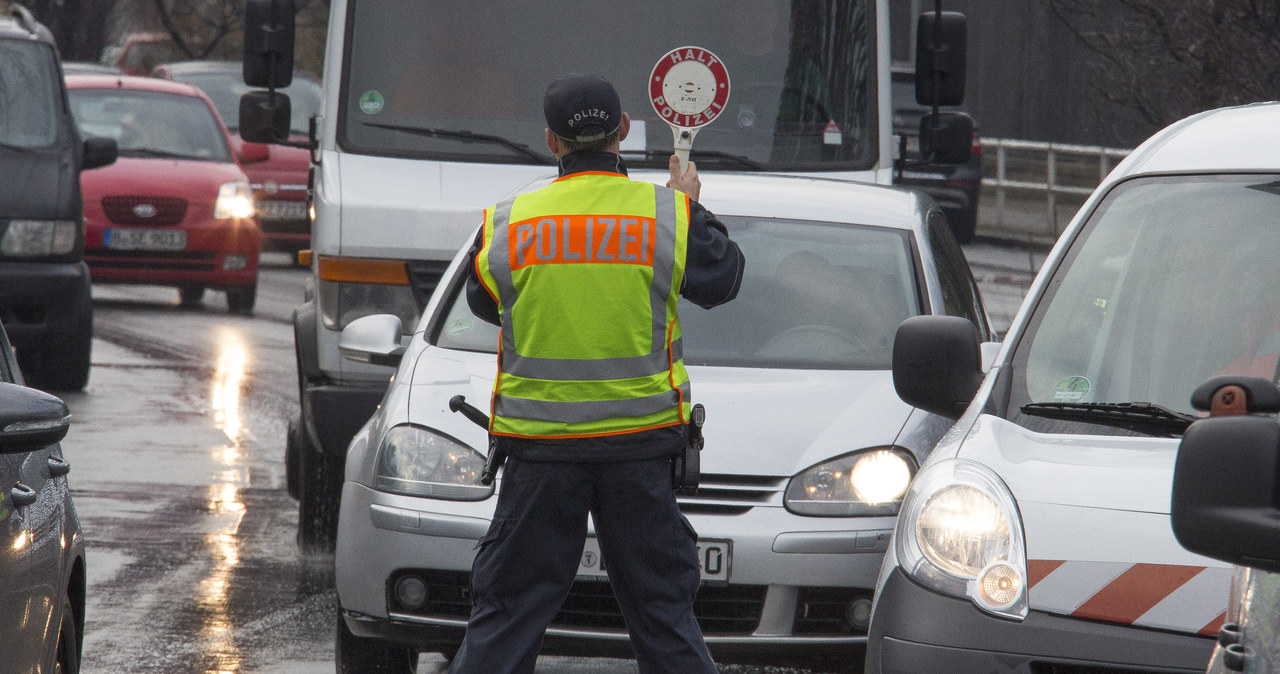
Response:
column 582, row 108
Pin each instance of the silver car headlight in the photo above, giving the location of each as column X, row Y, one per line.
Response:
column 415, row 461
column 864, row 483
column 960, row 534
column 34, row 238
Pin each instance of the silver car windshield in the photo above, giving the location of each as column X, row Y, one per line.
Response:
column 802, row 75
column 1172, row 281
column 815, row 295
column 29, row 95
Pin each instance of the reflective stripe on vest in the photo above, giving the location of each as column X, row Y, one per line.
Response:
column 567, row 395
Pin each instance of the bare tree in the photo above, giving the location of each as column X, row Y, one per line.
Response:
column 215, row 28
column 78, row 26
column 1165, row 60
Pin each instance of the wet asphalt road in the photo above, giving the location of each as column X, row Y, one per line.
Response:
column 176, row 449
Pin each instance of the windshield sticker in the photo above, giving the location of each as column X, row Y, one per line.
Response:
column 458, row 326
column 1070, row 390
column 371, row 103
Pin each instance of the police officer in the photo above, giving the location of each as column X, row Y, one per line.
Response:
column 591, row 398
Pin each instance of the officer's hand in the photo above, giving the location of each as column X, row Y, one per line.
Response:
column 688, row 182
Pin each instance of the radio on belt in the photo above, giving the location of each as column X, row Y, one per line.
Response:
column 689, row 88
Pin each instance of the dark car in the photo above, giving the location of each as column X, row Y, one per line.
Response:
column 954, row 186
column 280, row 181
column 42, row 550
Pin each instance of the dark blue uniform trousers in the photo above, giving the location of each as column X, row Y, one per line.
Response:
column 529, row 557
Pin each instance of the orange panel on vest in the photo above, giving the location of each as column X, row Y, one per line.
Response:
column 572, row 239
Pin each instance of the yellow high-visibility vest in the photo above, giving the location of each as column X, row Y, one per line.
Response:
column 586, row 273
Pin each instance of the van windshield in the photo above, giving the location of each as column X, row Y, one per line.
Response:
column 802, row 75
column 1172, row 281
column 29, row 95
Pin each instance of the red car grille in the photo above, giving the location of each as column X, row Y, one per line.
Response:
column 134, row 210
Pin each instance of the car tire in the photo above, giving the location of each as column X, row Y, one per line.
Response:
column 191, row 296
column 357, row 655
column 319, row 495
column 241, row 300
column 68, row 661
column 62, row 364
column 295, row 444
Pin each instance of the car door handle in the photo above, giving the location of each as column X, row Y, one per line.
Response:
column 22, row 495
column 58, row 467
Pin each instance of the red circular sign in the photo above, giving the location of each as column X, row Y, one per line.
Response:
column 689, row 87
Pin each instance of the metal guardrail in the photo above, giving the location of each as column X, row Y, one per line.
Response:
column 1030, row 176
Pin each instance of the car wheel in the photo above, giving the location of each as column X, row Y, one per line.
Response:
column 241, row 300
column 68, row 641
column 191, row 296
column 355, row 654
column 295, row 444
column 319, row 494
column 63, row 363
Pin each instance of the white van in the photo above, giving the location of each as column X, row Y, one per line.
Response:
column 1037, row 536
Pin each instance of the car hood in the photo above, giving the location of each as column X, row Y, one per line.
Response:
column 1095, row 513
column 196, row 181
column 765, row 422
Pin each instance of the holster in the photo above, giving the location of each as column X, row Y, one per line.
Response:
column 686, row 467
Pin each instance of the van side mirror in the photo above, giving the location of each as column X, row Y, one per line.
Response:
column 946, row 137
column 99, row 152
column 268, row 43
column 264, row 117
column 30, row 419
column 937, row 363
column 1226, row 484
column 941, row 44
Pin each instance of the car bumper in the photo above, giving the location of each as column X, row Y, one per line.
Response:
column 787, row 598
column 205, row 259
column 915, row 630
column 38, row 299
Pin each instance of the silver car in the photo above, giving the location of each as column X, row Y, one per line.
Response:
column 808, row 450
column 42, row 564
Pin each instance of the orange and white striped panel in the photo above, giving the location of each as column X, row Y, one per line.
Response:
column 1189, row 599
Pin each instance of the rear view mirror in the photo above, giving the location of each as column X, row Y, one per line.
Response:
column 372, row 339
column 946, row 137
column 264, row 117
column 99, row 152
column 268, row 43
column 937, row 363
column 1226, row 488
column 940, row 58
column 30, row 419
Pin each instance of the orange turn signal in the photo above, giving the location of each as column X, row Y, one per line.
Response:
column 363, row 270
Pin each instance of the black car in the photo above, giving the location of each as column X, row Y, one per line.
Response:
column 42, row 549
column 954, row 186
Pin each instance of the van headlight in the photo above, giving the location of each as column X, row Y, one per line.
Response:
column 37, row 238
column 415, row 461
column 960, row 534
column 864, row 483
column 235, row 200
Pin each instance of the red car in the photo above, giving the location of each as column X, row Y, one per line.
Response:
column 176, row 208
column 280, row 181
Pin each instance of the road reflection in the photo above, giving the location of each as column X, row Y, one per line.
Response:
column 217, row 634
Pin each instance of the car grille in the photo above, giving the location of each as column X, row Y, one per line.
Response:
column 732, row 494
column 424, row 276
column 153, row 260
column 125, row 210
column 719, row 609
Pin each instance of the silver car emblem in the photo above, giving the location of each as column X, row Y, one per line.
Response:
column 144, row 211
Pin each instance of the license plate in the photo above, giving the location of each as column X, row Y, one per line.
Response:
column 145, row 239
column 282, row 210
column 713, row 558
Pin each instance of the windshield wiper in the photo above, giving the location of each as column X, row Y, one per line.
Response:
column 1141, row 417
column 697, row 155
column 466, row 137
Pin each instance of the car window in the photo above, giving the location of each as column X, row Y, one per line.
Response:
column 960, row 294
column 148, row 123
column 224, row 88
column 29, row 94
column 814, row 295
column 1171, row 281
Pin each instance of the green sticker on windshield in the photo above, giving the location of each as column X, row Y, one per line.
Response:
column 371, row 103
column 1070, row 390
